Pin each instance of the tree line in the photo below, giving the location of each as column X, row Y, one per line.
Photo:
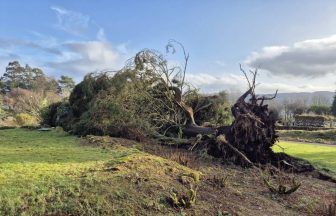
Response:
column 26, row 77
column 25, row 91
column 288, row 108
column 20, row 84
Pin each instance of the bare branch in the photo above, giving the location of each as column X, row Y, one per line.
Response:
column 243, row 71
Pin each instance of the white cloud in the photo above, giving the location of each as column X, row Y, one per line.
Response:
column 265, row 85
column 71, row 21
column 312, row 58
column 210, row 84
column 101, row 35
column 87, row 56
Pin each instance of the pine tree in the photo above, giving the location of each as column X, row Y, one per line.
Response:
column 66, row 84
column 28, row 77
column 24, row 77
column 14, row 75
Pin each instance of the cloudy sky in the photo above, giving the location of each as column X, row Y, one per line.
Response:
column 292, row 42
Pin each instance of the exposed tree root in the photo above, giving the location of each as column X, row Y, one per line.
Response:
column 249, row 139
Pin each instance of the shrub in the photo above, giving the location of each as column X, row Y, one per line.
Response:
column 211, row 109
column 2, row 111
column 85, row 91
column 136, row 102
column 30, row 102
column 24, row 119
column 108, row 116
column 49, row 114
column 320, row 109
column 58, row 114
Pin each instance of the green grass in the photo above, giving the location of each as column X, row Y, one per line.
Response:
column 320, row 155
column 52, row 173
column 42, row 172
column 320, row 136
column 20, row 145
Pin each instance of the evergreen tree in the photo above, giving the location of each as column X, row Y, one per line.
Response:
column 23, row 77
column 28, row 77
column 14, row 75
column 66, row 84
column 333, row 106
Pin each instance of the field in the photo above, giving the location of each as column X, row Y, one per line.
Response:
column 39, row 173
column 56, row 174
column 52, row 173
column 322, row 156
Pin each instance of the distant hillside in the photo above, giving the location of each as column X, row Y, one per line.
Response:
column 324, row 97
column 309, row 97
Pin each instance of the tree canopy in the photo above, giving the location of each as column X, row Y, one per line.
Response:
column 27, row 90
column 333, row 106
column 17, row 76
column 66, row 84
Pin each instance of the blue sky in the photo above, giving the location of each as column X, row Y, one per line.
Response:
column 292, row 42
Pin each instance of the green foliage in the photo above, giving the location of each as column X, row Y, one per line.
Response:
column 19, row 76
column 113, row 113
column 143, row 99
column 66, row 84
column 320, row 109
column 320, row 156
column 30, row 102
column 57, row 114
column 13, row 77
column 28, row 90
column 24, row 119
column 85, row 91
column 49, row 114
column 333, row 106
column 211, row 109
column 2, row 111
column 124, row 105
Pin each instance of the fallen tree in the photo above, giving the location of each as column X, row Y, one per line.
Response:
column 149, row 99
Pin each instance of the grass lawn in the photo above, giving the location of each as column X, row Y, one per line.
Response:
column 320, row 155
column 39, row 172
column 52, row 173
column 320, row 136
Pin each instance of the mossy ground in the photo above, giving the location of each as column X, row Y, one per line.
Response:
column 52, row 173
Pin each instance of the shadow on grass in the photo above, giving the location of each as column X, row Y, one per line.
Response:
column 325, row 160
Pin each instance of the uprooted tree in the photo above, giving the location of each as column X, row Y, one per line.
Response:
column 148, row 98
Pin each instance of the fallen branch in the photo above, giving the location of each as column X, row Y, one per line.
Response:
column 221, row 139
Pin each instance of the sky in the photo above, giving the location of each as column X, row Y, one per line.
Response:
column 291, row 42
